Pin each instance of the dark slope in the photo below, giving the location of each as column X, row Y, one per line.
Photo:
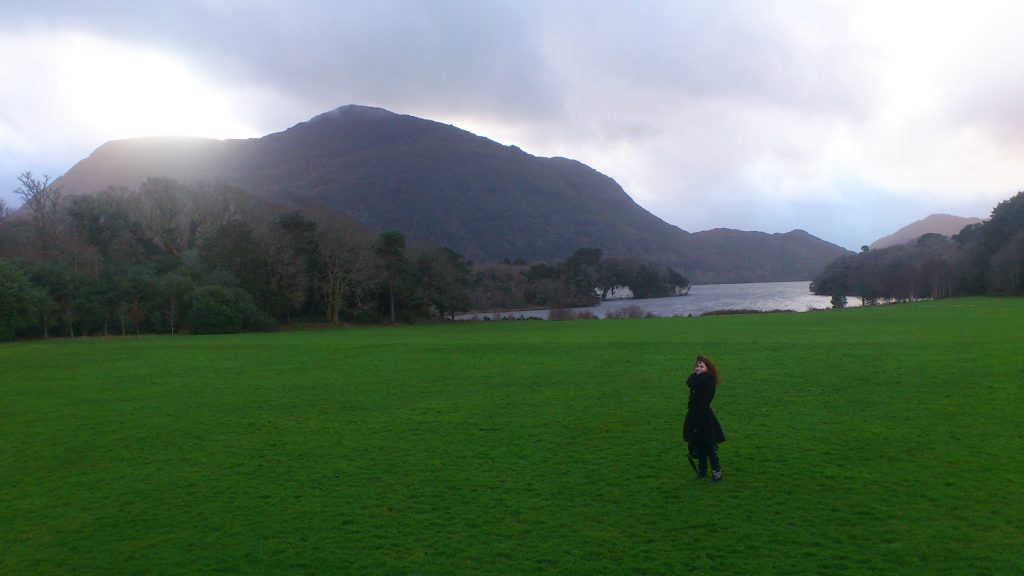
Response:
column 436, row 182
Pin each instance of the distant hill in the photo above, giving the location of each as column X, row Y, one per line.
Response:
column 439, row 183
column 945, row 224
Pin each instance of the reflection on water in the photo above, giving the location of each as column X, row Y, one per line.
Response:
column 764, row 296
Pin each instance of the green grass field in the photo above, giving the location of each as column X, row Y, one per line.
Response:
column 885, row 440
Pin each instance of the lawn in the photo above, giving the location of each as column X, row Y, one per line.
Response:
column 883, row 440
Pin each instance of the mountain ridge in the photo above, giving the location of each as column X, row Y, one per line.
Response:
column 945, row 224
column 440, row 183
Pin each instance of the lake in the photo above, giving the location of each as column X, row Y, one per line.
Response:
column 763, row 296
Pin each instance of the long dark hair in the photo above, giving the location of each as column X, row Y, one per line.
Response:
column 711, row 368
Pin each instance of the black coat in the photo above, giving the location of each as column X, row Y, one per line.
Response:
column 701, row 427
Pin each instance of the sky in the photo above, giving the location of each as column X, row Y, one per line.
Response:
column 846, row 119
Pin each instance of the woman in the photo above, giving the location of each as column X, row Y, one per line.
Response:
column 701, row 429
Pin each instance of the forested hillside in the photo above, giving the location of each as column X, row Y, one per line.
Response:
column 170, row 258
column 437, row 183
column 984, row 258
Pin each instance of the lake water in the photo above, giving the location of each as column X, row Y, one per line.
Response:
column 764, row 296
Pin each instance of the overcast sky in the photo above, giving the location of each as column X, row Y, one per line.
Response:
column 845, row 119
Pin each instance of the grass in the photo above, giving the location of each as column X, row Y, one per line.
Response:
column 862, row 441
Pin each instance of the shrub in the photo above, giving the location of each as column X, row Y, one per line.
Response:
column 567, row 314
column 223, row 310
column 631, row 311
column 560, row 314
column 743, row 311
column 214, row 310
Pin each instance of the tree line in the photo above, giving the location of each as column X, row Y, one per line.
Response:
column 170, row 258
column 984, row 258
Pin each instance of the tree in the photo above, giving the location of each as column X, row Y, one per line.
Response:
column 215, row 310
column 235, row 247
column 679, row 284
column 647, row 281
column 18, row 301
column 138, row 314
column 210, row 206
column 444, row 280
column 498, row 287
column 224, row 310
column 1007, row 266
column 937, row 254
column 1006, row 220
column 173, row 296
column 63, row 286
column 970, row 261
column 117, row 288
column 644, row 278
column 347, row 267
column 103, row 222
column 614, row 273
column 545, row 286
column 923, row 269
column 42, row 198
column 390, row 249
column 582, row 277
column 160, row 207
column 295, row 255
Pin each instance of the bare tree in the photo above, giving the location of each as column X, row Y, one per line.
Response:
column 210, row 206
column 347, row 263
column 161, row 209
column 42, row 198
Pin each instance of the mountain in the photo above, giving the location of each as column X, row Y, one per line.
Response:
column 945, row 224
column 436, row 182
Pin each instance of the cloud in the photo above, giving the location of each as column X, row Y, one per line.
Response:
column 845, row 119
column 64, row 98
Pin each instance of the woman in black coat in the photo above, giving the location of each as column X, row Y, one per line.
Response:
column 701, row 429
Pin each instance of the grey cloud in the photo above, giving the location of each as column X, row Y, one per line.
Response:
column 682, row 97
column 532, row 60
column 522, row 56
